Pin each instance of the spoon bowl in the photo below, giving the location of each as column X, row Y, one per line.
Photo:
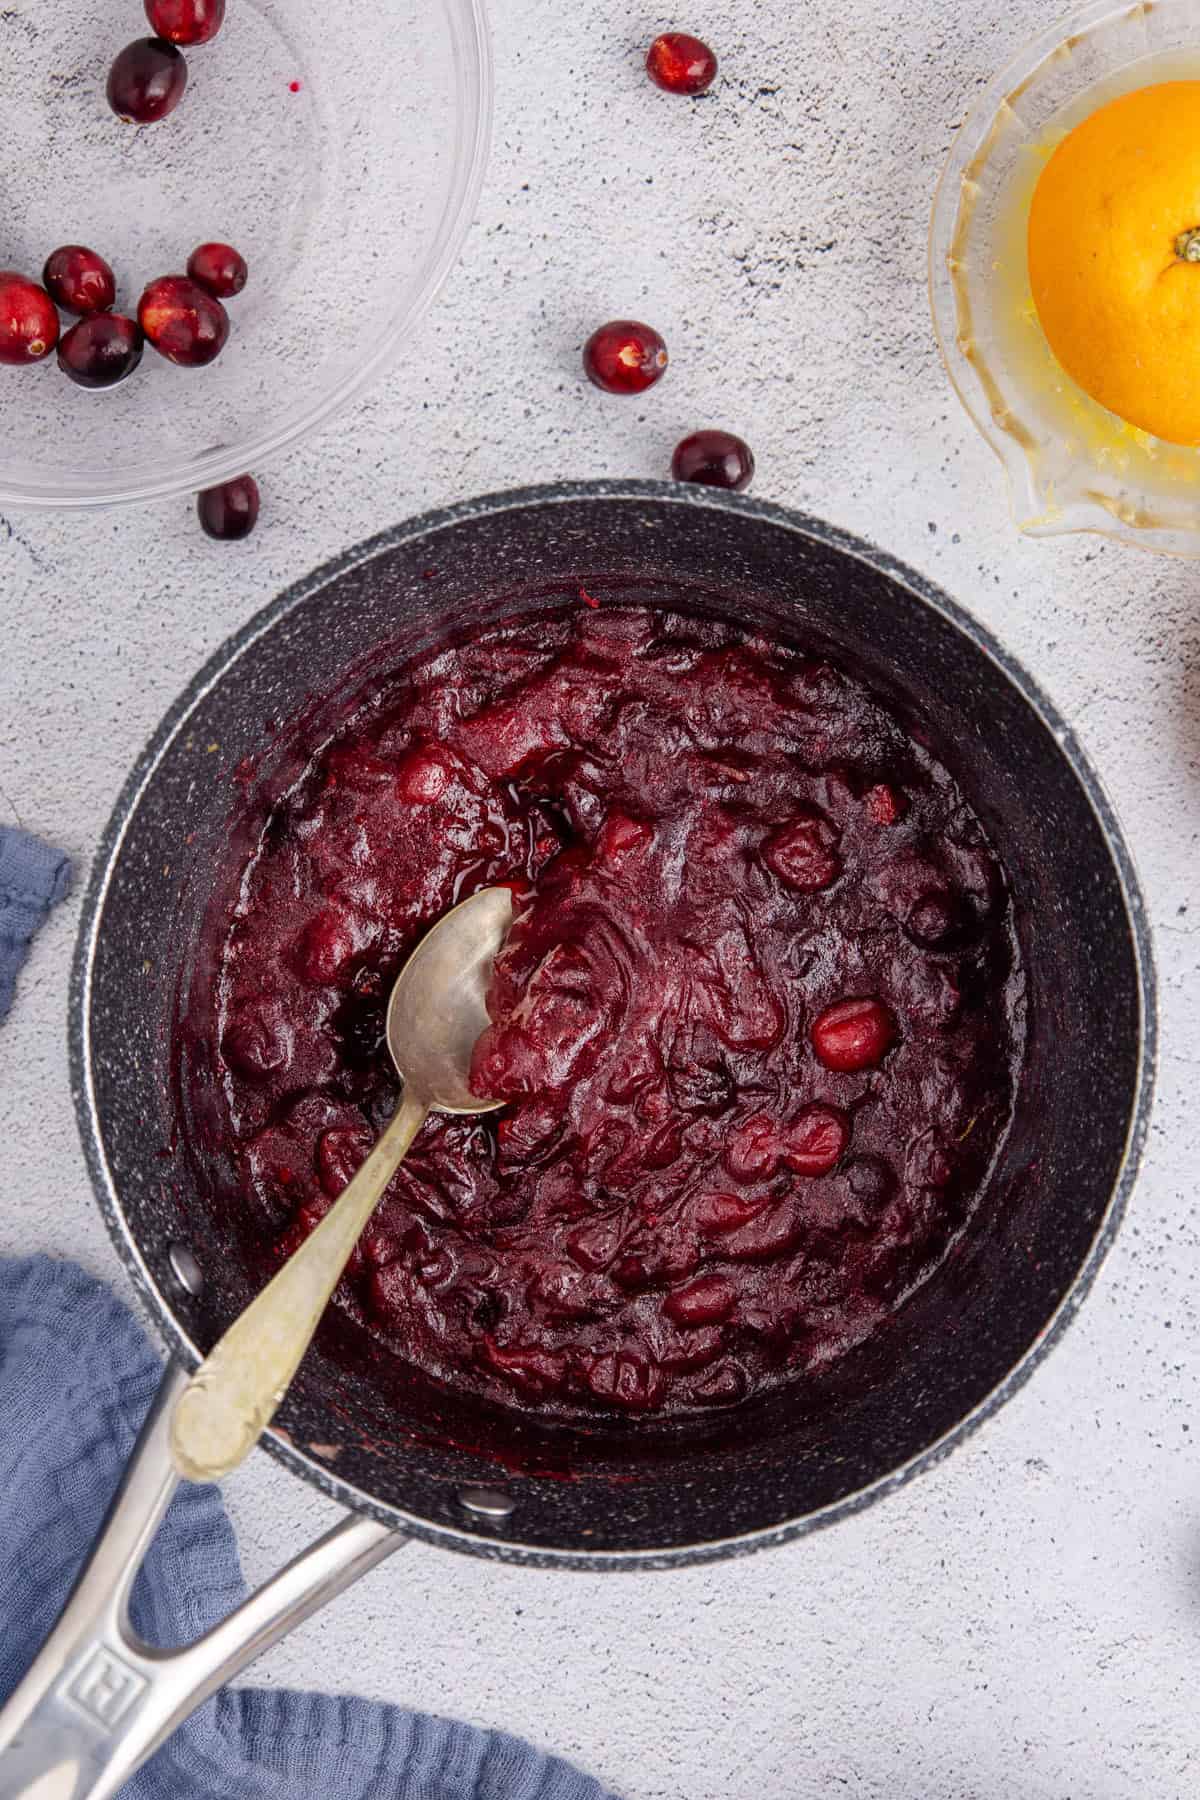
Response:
column 438, row 1007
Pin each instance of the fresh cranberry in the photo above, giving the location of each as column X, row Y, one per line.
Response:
column 853, row 1034
column 78, row 280
column 218, row 268
column 186, row 21
column 102, row 350
column 680, row 63
column 715, row 459
column 624, row 357
column 147, row 80
column 28, row 321
column 184, row 323
column 231, row 510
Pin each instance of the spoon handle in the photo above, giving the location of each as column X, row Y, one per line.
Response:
column 233, row 1395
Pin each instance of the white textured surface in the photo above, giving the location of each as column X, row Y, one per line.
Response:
column 1023, row 1623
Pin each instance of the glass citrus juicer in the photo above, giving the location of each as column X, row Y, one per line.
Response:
column 1072, row 464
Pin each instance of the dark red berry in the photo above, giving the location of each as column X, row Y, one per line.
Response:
column 624, row 357
column 706, row 1301
column 715, row 458
column 186, row 21
column 184, row 323
column 28, row 320
column 680, row 63
column 219, row 268
column 101, row 350
column 804, row 852
column 853, row 1034
column 147, row 80
column 78, row 280
column 817, row 1140
column 231, row 510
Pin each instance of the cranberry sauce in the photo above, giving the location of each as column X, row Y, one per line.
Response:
column 756, row 1026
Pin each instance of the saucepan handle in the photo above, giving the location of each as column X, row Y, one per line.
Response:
column 98, row 1701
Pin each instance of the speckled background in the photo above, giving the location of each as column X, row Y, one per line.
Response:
column 1023, row 1623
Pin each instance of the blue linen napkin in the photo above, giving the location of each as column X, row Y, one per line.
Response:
column 76, row 1378
column 33, row 878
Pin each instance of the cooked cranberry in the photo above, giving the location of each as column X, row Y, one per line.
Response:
column 770, row 1235
column 186, row 21
column 934, row 920
column 630, row 1381
column 817, row 1140
column 725, row 1386
column 259, row 1040
column 705, row 1301
column 341, row 1153
column 594, row 1246
column 753, row 1148
column 219, row 268
column 927, row 1162
column 715, row 459
column 854, row 1034
column 871, row 1183
column 624, row 357
column 718, row 1213
column 231, row 510
column 28, row 321
column 147, row 80
column 78, row 280
column 804, row 853
column 100, row 351
column 423, row 776
column 884, row 804
column 184, row 323
column 680, row 63
column 532, row 1370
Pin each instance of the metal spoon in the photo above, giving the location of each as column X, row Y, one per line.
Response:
column 435, row 1017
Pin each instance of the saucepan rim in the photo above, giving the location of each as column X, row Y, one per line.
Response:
column 179, row 1343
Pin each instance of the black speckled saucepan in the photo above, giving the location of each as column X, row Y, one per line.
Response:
column 806, row 1456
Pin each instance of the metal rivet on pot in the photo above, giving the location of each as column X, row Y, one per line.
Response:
column 487, row 1503
column 185, row 1268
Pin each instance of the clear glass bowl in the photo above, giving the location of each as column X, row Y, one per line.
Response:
column 341, row 148
column 1072, row 465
